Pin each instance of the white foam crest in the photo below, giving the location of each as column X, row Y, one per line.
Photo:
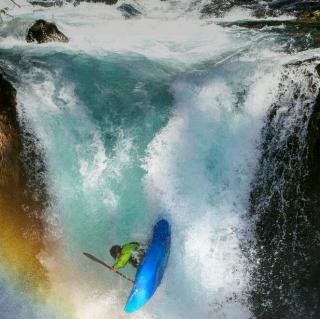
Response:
column 169, row 9
column 174, row 40
column 100, row 29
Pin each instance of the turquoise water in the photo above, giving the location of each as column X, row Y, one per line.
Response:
column 138, row 119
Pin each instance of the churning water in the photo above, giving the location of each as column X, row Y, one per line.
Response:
column 140, row 118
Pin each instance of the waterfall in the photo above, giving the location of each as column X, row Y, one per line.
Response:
column 167, row 114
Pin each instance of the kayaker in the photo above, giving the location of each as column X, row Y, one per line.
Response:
column 132, row 253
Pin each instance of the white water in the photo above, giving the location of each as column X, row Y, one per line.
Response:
column 190, row 156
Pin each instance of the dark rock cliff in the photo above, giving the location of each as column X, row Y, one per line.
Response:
column 285, row 201
column 23, row 195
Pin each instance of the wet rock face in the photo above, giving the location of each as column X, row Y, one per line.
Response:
column 110, row 2
column 285, row 201
column 218, row 8
column 309, row 15
column 263, row 9
column 42, row 31
column 47, row 4
column 7, row 100
column 293, row 7
column 313, row 181
column 23, row 195
column 9, row 135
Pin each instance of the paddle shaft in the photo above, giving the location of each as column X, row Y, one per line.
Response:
column 15, row 3
column 109, row 267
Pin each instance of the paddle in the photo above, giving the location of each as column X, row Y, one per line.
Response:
column 15, row 3
column 104, row 264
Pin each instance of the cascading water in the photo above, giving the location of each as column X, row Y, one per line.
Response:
column 282, row 201
column 159, row 115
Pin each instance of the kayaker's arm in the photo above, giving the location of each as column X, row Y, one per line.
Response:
column 126, row 253
column 123, row 260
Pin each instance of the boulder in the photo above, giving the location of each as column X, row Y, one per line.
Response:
column 129, row 11
column 42, row 31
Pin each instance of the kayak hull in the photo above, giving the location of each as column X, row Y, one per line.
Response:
column 151, row 271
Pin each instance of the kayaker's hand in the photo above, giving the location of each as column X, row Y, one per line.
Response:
column 113, row 269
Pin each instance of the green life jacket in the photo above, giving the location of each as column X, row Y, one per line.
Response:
column 126, row 253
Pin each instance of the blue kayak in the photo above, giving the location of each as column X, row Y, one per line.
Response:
column 151, row 271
